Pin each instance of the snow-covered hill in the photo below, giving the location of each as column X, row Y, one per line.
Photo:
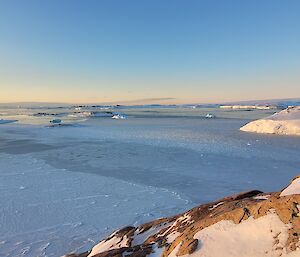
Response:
column 286, row 122
column 248, row 224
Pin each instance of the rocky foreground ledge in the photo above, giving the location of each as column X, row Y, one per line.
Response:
column 248, row 224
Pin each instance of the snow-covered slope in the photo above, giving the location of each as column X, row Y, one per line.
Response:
column 293, row 188
column 244, row 225
column 286, row 122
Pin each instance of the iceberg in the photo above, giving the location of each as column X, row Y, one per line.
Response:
column 2, row 121
column 119, row 117
column 248, row 107
column 210, row 116
column 286, row 122
column 87, row 114
column 56, row 121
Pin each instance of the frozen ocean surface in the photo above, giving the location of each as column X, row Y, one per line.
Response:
column 64, row 187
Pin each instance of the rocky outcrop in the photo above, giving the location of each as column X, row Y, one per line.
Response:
column 248, row 224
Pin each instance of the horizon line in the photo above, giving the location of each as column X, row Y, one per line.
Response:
column 150, row 99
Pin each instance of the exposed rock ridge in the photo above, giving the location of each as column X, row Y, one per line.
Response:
column 190, row 233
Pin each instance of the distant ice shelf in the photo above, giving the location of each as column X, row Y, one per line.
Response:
column 248, row 107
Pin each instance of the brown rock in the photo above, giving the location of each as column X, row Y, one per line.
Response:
column 235, row 208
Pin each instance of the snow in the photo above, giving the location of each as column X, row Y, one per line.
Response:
column 141, row 237
column 286, row 122
column 183, row 219
column 138, row 238
column 261, row 197
column 250, row 238
column 71, row 210
column 175, row 251
column 186, row 218
column 292, row 189
column 113, row 243
column 216, row 205
column 76, row 181
column 171, row 237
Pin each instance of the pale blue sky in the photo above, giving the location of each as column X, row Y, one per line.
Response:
column 192, row 51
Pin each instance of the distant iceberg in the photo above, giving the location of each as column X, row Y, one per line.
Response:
column 286, row 122
column 41, row 114
column 99, row 107
column 119, row 117
column 59, row 123
column 56, row 121
column 210, row 116
column 248, row 107
column 86, row 114
column 2, row 121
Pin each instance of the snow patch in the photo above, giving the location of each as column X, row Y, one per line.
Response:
column 173, row 236
column 261, row 197
column 265, row 236
column 292, row 189
column 141, row 237
column 185, row 218
column 215, row 206
column 113, row 243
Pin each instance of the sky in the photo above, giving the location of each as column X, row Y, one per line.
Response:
column 149, row 51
